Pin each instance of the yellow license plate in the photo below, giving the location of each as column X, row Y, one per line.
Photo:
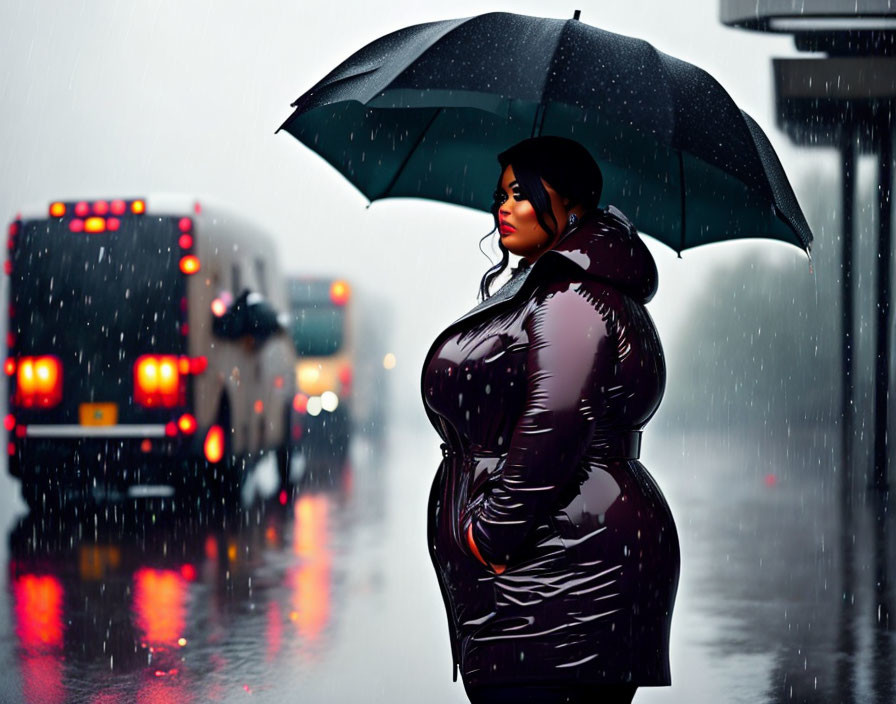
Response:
column 96, row 560
column 98, row 413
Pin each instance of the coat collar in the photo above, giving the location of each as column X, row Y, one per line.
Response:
column 605, row 245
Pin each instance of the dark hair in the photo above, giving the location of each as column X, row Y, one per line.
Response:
column 565, row 165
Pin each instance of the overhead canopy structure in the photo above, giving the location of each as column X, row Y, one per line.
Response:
column 847, row 99
column 834, row 26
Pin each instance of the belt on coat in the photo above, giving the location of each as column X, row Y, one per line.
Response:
column 623, row 446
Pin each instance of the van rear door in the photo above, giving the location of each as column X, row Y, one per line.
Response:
column 96, row 302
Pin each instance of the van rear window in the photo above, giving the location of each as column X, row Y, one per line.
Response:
column 118, row 292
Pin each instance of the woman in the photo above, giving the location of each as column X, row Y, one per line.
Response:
column 555, row 550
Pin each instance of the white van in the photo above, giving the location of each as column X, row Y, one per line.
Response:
column 146, row 349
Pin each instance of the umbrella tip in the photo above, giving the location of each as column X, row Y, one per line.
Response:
column 577, row 14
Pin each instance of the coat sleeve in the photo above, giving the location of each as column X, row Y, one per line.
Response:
column 570, row 361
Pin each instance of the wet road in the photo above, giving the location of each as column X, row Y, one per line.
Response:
column 330, row 598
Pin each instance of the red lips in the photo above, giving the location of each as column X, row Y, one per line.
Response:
column 505, row 227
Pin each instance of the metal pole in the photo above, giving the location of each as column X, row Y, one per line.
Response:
column 847, row 182
column 882, row 360
column 846, row 639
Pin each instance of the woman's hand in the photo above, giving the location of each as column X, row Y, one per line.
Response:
column 499, row 569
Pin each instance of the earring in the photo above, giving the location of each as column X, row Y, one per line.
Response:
column 573, row 219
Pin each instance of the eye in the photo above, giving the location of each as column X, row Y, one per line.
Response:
column 518, row 196
column 500, row 197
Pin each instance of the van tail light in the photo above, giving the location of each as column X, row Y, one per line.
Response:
column 214, row 444
column 186, row 424
column 190, row 264
column 339, row 293
column 158, row 381
column 345, row 377
column 38, row 382
column 198, row 365
column 300, row 403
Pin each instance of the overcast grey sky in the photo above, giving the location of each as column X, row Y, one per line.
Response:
column 102, row 98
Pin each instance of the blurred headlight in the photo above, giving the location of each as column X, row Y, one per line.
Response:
column 314, row 406
column 329, row 401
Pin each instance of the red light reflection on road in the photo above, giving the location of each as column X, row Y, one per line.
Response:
column 310, row 581
column 274, row 635
column 161, row 690
column 39, row 612
column 38, row 609
column 106, row 698
column 160, row 605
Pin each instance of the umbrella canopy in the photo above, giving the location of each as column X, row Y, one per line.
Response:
column 424, row 111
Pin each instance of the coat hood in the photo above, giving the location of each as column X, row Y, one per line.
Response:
column 606, row 246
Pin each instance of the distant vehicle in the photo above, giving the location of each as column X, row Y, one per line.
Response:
column 340, row 374
column 145, row 351
column 321, row 310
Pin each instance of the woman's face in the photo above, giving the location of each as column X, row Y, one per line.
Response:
column 520, row 230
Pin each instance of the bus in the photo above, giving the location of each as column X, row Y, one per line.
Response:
column 147, row 349
column 340, row 380
column 321, row 333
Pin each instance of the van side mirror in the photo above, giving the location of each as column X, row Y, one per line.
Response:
column 249, row 315
column 262, row 319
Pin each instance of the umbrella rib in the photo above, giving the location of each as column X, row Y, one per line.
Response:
column 683, row 211
column 410, row 153
column 544, row 85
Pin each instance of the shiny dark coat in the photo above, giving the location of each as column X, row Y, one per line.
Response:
column 539, row 394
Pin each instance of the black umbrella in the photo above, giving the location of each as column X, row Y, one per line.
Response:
column 423, row 112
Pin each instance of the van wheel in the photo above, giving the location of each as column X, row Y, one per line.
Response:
column 284, row 450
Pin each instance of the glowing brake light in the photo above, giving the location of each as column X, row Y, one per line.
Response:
column 138, row 207
column 118, row 207
column 57, row 210
column 82, row 209
column 339, row 293
column 38, row 382
column 186, row 424
column 189, row 264
column 95, row 225
column 157, row 381
column 198, row 365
